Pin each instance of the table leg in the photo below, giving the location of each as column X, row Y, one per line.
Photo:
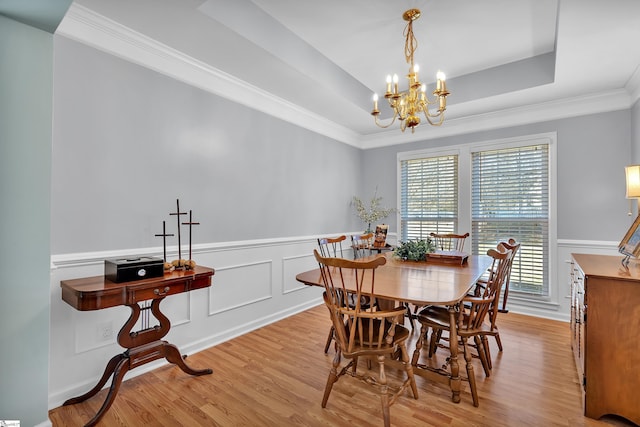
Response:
column 172, row 354
column 118, row 365
column 454, row 381
column 142, row 347
column 110, row 369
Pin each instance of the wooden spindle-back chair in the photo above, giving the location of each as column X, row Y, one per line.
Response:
column 363, row 332
column 331, row 246
column 514, row 246
column 471, row 320
column 361, row 245
column 449, row 241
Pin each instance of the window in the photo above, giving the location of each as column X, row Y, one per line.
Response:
column 510, row 198
column 495, row 190
column 428, row 196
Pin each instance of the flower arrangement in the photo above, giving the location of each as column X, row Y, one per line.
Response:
column 374, row 212
column 414, row 250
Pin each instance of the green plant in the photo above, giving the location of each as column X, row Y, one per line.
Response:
column 414, row 250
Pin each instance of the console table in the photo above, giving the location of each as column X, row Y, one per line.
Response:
column 142, row 346
column 606, row 346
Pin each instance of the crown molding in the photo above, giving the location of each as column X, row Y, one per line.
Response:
column 541, row 112
column 633, row 86
column 88, row 27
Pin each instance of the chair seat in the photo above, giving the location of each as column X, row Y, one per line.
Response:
column 439, row 317
column 434, row 314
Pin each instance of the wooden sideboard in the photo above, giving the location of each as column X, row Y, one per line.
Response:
column 605, row 327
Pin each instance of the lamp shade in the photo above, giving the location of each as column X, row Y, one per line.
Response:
column 633, row 181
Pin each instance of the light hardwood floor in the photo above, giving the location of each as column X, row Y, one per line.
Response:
column 275, row 376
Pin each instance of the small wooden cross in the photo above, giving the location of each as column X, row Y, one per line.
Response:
column 190, row 224
column 178, row 213
column 164, row 236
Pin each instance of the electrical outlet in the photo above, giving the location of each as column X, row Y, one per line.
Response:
column 105, row 331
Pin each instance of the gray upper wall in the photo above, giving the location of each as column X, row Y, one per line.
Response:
column 128, row 142
column 592, row 152
column 635, row 134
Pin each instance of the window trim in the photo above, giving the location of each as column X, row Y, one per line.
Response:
column 464, row 152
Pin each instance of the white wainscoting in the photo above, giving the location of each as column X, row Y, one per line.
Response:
column 254, row 285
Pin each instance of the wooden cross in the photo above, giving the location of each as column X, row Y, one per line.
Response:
column 164, row 236
column 190, row 224
column 178, row 213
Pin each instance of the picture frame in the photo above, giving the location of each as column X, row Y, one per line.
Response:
column 380, row 240
column 630, row 243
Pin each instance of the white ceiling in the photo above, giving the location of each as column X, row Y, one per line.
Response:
column 324, row 59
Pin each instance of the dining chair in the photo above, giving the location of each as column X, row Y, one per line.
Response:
column 364, row 332
column 514, row 246
column 361, row 245
column 449, row 241
column 471, row 321
column 442, row 242
column 331, row 246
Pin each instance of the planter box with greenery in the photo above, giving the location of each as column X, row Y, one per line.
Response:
column 414, row 250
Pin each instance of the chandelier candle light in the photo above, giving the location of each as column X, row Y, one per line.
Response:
column 409, row 104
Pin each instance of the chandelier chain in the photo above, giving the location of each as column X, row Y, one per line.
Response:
column 410, row 43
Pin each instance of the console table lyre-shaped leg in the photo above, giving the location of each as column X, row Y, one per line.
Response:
column 142, row 347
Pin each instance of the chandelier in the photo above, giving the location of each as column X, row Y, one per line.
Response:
column 408, row 105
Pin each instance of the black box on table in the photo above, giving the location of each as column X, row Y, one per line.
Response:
column 133, row 268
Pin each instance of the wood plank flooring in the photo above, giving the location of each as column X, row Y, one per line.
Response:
column 275, row 376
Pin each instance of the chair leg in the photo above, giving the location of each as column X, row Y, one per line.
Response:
column 416, row 353
column 384, row 392
column 436, row 334
column 333, row 377
column 410, row 315
column 329, row 339
column 471, row 376
column 498, row 341
column 409, row 370
column 486, row 365
column 487, row 351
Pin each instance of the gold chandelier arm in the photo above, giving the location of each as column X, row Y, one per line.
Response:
column 440, row 115
column 383, row 126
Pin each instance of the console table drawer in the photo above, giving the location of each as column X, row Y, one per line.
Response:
column 158, row 290
column 97, row 292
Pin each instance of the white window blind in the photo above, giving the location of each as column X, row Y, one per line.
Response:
column 510, row 199
column 428, row 196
